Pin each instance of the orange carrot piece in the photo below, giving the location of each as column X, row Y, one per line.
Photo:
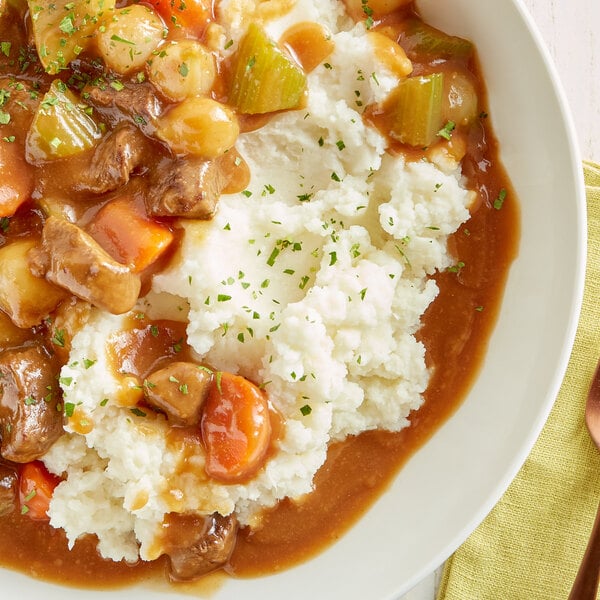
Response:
column 36, row 486
column 190, row 15
column 128, row 235
column 236, row 428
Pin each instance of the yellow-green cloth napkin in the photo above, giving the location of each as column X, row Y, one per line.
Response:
column 530, row 546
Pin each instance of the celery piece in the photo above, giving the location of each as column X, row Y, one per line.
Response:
column 62, row 29
column 416, row 115
column 264, row 79
column 422, row 40
column 60, row 127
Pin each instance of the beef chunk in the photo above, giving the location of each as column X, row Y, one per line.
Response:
column 139, row 101
column 188, row 186
column 8, row 489
column 197, row 545
column 113, row 161
column 30, row 421
column 72, row 259
column 179, row 390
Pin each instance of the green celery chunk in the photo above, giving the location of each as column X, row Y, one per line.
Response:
column 264, row 79
column 60, row 127
column 417, row 109
column 62, row 29
column 422, row 40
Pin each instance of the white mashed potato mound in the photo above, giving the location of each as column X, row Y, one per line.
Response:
column 312, row 282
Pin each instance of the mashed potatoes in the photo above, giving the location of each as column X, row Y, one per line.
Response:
column 311, row 282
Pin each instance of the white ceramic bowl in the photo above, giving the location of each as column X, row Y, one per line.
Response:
column 448, row 487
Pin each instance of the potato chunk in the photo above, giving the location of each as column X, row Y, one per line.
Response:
column 26, row 299
column 130, row 37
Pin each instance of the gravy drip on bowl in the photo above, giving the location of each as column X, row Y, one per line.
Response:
column 164, row 183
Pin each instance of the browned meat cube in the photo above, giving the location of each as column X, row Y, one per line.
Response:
column 179, row 390
column 30, row 420
column 197, row 545
column 72, row 259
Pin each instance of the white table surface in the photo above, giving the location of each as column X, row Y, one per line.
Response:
column 571, row 32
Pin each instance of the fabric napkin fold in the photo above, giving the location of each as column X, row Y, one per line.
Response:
column 529, row 547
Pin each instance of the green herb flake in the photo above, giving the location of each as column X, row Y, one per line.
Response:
column 138, row 412
column 273, row 256
column 446, row 131
column 67, row 25
column 305, row 410
column 69, row 409
column 184, row 69
column 116, row 38
column 58, row 339
column 499, row 201
column 457, row 267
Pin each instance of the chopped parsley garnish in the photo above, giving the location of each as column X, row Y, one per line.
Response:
column 116, row 38
column 368, row 12
column 306, row 410
column 58, row 339
column 446, row 130
column 499, row 201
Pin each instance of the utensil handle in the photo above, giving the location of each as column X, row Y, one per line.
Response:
column 585, row 586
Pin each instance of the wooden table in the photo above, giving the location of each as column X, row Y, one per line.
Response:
column 570, row 30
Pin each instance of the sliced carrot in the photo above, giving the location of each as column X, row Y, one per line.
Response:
column 236, row 428
column 190, row 15
column 16, row 179
column 122, row 228
column 36, row 486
